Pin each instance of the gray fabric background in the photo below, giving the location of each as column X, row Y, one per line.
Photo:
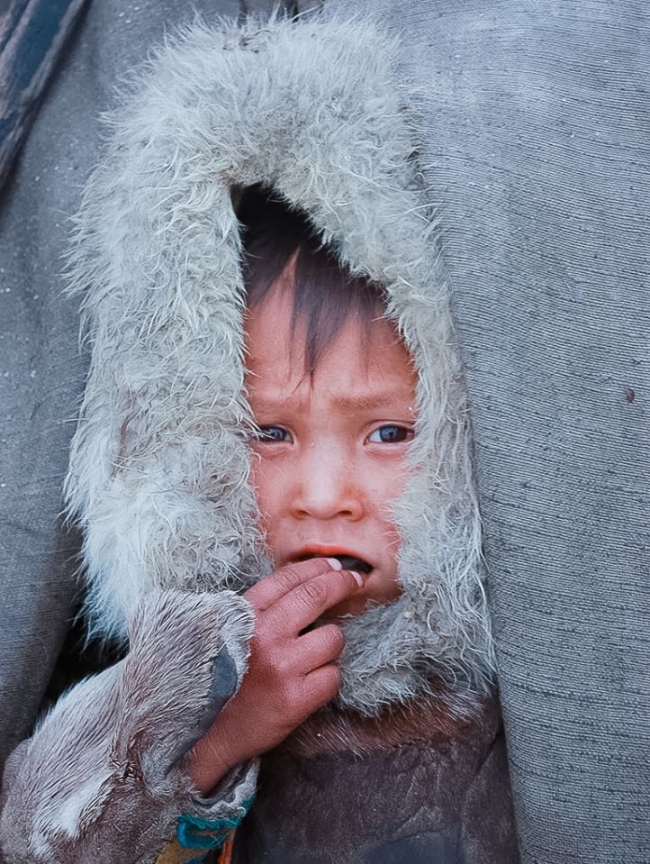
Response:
column 536, row 152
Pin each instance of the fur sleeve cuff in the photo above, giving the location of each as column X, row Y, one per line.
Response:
column 103, row 778
column 208, row 823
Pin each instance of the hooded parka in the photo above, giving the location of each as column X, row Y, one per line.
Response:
column 409, row 764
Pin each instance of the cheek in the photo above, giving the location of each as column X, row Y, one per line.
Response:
column 385, row 484
column 388, row 487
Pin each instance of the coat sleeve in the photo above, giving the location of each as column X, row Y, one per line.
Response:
column 103, row 779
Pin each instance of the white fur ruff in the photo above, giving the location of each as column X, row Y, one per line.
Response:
column 160, row 466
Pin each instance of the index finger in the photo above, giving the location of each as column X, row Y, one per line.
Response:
column 272, row 588
column 306, row 603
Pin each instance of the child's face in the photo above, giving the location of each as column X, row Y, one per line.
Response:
column 333, row 459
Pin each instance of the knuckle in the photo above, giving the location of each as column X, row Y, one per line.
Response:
column 288, row 577
column 314, row 594
column 292, row 575
column 283, row 670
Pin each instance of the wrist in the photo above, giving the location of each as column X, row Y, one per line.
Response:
column 210, row 760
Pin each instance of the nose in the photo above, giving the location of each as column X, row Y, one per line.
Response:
column 327, row 486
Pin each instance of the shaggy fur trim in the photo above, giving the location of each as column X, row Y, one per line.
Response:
column 111, row 752
column 159, row 470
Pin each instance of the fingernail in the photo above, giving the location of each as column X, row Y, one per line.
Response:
column 335, row 564
column 357, row 578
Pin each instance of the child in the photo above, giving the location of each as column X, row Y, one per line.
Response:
column 351, row 534
column 332, row 390
column 326, row 471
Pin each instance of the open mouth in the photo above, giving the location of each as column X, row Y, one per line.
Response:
column 348, row 562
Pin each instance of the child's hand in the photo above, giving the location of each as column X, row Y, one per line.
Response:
column 289, row 675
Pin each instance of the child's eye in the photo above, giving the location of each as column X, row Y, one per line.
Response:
column 390, row 434
column 273, row 434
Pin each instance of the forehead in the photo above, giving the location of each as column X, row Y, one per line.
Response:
column 372, row 359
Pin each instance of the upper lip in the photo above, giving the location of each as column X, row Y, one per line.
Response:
column 319, row 550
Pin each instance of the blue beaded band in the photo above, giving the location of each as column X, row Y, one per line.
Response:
column 196, row 833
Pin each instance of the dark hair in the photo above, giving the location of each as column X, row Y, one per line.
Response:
column 325, row 293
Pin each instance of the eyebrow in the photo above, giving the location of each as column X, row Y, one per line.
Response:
column 362, row 402
column 367, row 402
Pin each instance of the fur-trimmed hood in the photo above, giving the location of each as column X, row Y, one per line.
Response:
column 159, row 466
